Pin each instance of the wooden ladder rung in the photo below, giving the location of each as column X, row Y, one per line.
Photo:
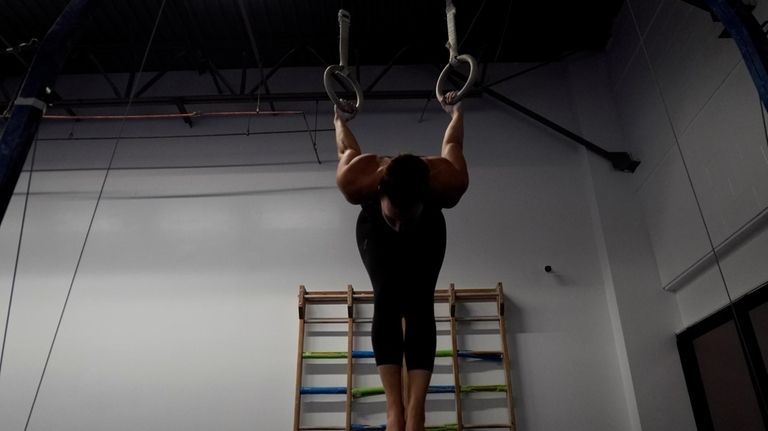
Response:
column 441, row 295
column 322, row 320
column 329, row 320
column 478, row 319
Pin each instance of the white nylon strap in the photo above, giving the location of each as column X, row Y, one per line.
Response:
column 341, row 71
column 344, row 19
column 31, row 101
column 452, row 45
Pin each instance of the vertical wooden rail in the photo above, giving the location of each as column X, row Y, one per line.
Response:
column 505, row 350
column 299, row 360
column 455, row 357
column 350, row 330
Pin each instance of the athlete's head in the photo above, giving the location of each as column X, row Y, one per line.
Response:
column 404, row 188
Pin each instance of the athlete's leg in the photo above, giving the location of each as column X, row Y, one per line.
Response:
column 386, row 332
column 420, row 330
column 418, row 384
column 391, row 379
column 420, row 343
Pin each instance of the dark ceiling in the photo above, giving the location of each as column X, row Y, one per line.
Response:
column 205, row 34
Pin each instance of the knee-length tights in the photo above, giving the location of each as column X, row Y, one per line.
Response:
column 403, row 268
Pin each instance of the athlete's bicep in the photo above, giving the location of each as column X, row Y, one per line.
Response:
column 455, row 155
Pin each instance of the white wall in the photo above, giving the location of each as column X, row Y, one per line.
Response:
column 686, row 100
column 644, row 317
column 183, row 312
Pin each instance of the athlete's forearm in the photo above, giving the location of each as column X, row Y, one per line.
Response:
column 454, row 134
column 345, row 140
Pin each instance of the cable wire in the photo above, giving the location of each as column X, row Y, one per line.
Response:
column 93, row 216
column 18, row 254
column 504, row 32
column 472, row 24
column 762, row 117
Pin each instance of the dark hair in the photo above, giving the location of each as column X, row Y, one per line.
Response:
column 405, row 181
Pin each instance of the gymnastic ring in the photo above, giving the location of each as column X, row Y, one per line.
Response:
column 470, row 80
column 341, row 72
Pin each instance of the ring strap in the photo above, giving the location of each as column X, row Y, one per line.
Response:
column 344, row 19
column 452, row 45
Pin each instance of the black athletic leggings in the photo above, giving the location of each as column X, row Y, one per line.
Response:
column 403, row 267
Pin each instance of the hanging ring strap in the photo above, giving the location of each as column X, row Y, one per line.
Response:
column 342, row 69
column 455, row 58
column 344, row 19
column 452, row 45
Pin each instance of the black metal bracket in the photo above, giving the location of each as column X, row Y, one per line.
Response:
column 621, row 161
column 183, row 110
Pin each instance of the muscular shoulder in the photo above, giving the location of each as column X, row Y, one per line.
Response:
column 447, row 182
column 358, row 177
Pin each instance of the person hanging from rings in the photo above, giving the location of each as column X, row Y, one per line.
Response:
column 401, row 237
column 401, row 233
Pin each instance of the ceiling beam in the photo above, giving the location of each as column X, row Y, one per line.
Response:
column 129, row 85
column 242, row 99
column 386, row 69
column 215, row 81
column 104, row 75
column 55, row 97
column 243, row 74
column 183, row 110
column 527, row 70
column 254, row 48
column 272, row 71
column 152, row 81
column 11, row 49
column 3, row 90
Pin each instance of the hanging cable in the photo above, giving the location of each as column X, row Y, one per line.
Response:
column 472, row 24
column 93, row 216
column 762, row 117
column 504, row 32
column 18, row 253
